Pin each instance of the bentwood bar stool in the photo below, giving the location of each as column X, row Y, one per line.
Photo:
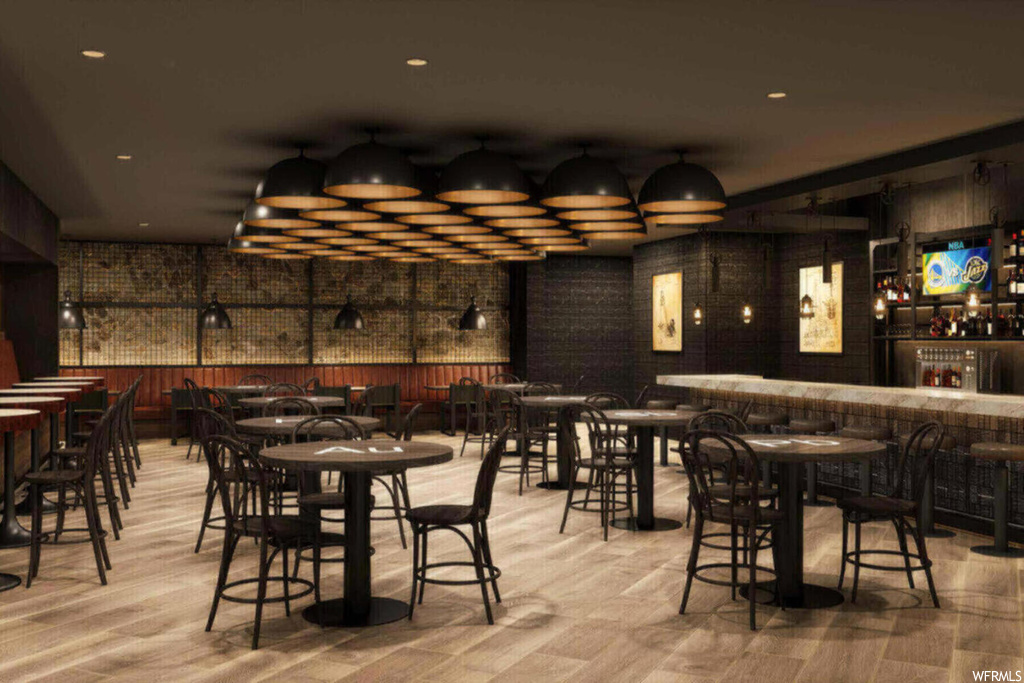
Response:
column 947, row 446
column 1001, row 454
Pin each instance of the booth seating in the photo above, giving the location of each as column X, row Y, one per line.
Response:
column 153, row 404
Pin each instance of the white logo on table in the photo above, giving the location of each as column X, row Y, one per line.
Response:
column 643, row 413
column 282, row 420
column 371, row 449
column 777, row 443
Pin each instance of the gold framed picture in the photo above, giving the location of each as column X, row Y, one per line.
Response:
column 667, row 312
column 823, row 332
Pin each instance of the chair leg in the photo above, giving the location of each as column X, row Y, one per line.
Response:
column 750, row 541
column 901, row 535
column 91, row 513
column 62, row 504
column 35, row 535
column 478, row 565
column 398, row 509
column 842, row 564
column 261, row 593
column 284, row 579
column 423, row 564
column 99, row 524
column 691, row 564
column 211, row 494
column 734, row 559
column 487, row 557
column 568, row 497
column 922, row 551
column 317, row 542
column 227, row 552
column 415, row 566
column 856, row 561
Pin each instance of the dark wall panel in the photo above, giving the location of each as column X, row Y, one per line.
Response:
column 579, row 322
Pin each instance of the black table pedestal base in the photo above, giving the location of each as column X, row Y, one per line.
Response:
column 555, row 485
column 940, row 533
column 382, row 611
column 813, row 596
column 660, row 524
column 24, row 508
column 9, row 581
column 996, row 551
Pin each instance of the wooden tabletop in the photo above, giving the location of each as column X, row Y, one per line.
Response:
column 643, row 417
column 18, row 420
column 515, row 387
column 283, row 426
column 553, row 402
column 324, row 401
column 356, row 456
column 44, row 404
column 804, row 448
column 439, row 387
column 85, row 386
column 69, row 393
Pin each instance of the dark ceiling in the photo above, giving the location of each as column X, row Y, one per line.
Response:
column 206, row 94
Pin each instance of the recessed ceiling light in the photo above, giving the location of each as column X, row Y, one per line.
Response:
column 94, row 54
column 416, row 61
column 143, row 225
column 776, row 95
column 124, row 157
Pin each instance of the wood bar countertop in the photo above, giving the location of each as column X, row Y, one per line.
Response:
column 945, row 400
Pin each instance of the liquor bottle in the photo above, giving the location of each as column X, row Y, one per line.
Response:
column 906, row 290
column 926, row 376
column 1002, row 328
column 1013, row 246
column 1011, row 284
column 988, row 323
column 952, row 330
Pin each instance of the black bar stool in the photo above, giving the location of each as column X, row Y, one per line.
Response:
column 812, row 425
column 1001, row 454
column 867, row 433
column 767, row 419
column 947, row 445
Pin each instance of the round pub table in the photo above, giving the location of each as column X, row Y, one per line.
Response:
column 47, row 405
column 792, row 453
column 565, row 435
column 70, row 393
column 260, row 402
column 283, row 426
column 13, row 420
column 644, row 423
column 357, row 461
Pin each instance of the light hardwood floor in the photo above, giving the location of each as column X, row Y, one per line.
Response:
column 575, row 607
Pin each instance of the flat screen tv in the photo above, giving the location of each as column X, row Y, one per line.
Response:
column 954, row 270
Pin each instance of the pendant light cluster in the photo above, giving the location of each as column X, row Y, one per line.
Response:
column 371, row 202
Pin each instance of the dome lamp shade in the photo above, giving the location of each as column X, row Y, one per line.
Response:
column 371, row 171
column 349, row 317
column 473, row 318
column 682, row 187
column 296, row 183
column 70, row 315
column 585, row 182
column 260, row 216
column 483, row 177
column 214, row 317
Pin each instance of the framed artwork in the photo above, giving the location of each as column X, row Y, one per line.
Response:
column 667, row 312
column 822, row 333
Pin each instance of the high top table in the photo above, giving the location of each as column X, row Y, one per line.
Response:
column 12, row 534
column 284, row 426
column 69, row 393
column 357, row 460
column 565, row 439
column 643, row 423
column 792, row 452
column 261, row 402
column 514, row 387
column 47, row 405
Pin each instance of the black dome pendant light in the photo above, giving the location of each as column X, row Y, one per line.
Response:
column 248, row 233
column 483, row 177
column 260, row 216
column 585, row 182
column 473, row 318
column 423, row 203
column 370, row 170
column 349, row 317
column 296, row 183
column 682, row 187
column 214, row 317
column 70, row 315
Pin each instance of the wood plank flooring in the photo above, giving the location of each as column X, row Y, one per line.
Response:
column 575, row 608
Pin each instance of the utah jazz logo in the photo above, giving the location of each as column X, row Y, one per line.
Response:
column 975, row 270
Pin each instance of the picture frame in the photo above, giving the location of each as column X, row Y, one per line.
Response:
column 822, row 334
column 667, row 312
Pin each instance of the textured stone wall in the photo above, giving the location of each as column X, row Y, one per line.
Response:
column 141, row 303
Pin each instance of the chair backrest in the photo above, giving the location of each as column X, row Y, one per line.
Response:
column 540, row 389
column 381, row 396
column 409, row 424
column 639, row 402
column 503, row 378
column 290, row 405
column 215, row 400
column 916, row 460
column 468, row 390
column 211, row 423
column 737, row 466
column 717, row 421
column 507, row 409
column 328, row 428
column 284, row 389
column 228, row 456
column 311, row 385
column 607, row 400
column 193, row 393
column 255, row 380
column 484, row 489
column 98, row 445
column 600, row 435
